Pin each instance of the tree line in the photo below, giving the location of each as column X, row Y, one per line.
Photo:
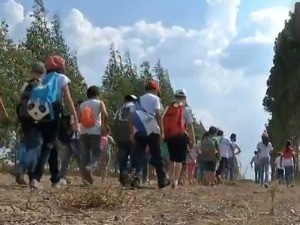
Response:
column 282, row 99
column 120, row 77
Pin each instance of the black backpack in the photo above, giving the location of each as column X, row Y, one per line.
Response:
column 22, row 108
column 122, row 127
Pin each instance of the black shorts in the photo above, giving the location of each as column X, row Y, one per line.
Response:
column 177, row 147
column 209, row 166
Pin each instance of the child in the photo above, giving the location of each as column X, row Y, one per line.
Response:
column 256, row 166
column 30, row 137
column 107, row 143
column 93, row 117
column 191, row 164
column 279, row 168
column 288, row 162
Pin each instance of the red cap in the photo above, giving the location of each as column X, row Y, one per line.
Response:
column 55, row 62
column 154, row 85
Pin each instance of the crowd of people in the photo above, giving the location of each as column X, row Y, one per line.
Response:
column 144, row 133
column 284, row 163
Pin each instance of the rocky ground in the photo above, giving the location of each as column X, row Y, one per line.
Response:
column 105, row 203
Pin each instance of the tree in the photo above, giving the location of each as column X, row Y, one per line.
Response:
column 282, row 98
column 165, row 83
column 283, row 89
column 78, row 86
column 38, row 37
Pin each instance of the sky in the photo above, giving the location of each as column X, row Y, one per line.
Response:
column 219, row 51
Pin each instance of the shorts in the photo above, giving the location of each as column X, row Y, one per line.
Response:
column 178, row 148
column 209, row 166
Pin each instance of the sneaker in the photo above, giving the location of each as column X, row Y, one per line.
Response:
column 56, row 185
column 20, row 180
column 34, row 184
column 63, row 182
column 135, row 183
column 174, row 184
column 125, row 179
column 87, row 175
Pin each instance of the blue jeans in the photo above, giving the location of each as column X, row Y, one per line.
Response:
column 264, row 165
column 289, row 174
column 73, row 150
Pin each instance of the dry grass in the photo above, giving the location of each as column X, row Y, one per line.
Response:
column 105, row 203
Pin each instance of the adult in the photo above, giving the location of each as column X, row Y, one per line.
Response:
column 55, row 66
column 123, row 132
column 147, row 120
column 264, row 148
column 225, row 146
column 235, row 150
column 177, row 119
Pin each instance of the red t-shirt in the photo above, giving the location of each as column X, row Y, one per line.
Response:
column 288, row 153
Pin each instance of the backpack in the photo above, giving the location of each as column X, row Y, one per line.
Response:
column 87, row 118
column 42, row 98
column 65, row 130
column 208, row 148
column 122, row 130
column 22, row 106
column 173, row 121
column 144, row 123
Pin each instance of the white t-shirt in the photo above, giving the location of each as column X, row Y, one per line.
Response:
column 95, row 105
column 151, row 103
column 232, row 149
column 255, row 160
column 225, row 146
column 277, row 162
column 263, row 150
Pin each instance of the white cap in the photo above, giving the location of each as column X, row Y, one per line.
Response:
column 180, row 93
column 133, row 97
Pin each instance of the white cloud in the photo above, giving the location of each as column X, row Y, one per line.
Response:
column 268, row 22
column 219, row 96
column 13, row 12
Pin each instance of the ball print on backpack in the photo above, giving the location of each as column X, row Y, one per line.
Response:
column 40, row 104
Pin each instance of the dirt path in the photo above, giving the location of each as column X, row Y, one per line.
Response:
column 243, row 203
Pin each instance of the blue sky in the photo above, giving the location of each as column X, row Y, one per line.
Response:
column 220, row 51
